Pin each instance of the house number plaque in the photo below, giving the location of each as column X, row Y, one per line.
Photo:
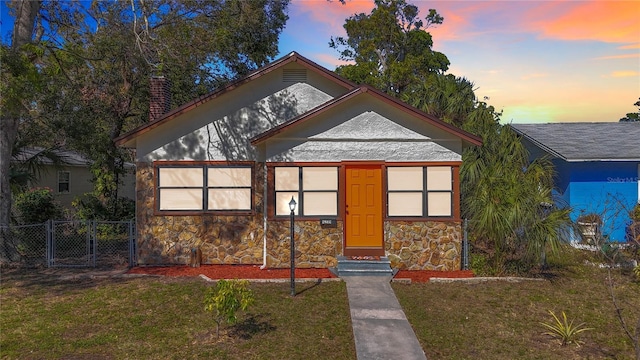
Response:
column 328, row 223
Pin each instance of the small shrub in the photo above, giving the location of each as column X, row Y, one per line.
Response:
column 225, row 299
column 564, row 330
column 636, row 271
column 36, row 206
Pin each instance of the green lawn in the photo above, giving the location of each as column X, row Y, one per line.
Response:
column 155, row 318
column 501, row 320
column 45, row 317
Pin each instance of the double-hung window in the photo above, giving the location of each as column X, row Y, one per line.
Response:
column 419, row 191
column 204, row 188
column 63, row 181
column 314, row 188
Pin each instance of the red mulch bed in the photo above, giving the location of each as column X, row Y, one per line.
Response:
column 254, row 272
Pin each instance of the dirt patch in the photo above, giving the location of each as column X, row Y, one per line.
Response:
column 254, row 272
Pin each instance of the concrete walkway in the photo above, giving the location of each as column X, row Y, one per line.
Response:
column 380, row 328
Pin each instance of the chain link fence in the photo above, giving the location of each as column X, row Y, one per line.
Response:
column 73, row 243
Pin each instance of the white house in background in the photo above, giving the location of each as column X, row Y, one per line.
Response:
column 73, row 178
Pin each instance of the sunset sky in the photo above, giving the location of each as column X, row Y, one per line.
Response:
column 538, row 61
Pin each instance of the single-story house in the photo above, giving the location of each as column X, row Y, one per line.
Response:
column 72, row 177
column 370, row 175
column 597, row 165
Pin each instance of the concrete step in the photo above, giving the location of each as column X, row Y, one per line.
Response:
column 364, row 267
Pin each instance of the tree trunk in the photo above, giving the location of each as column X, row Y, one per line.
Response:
column 23, row 30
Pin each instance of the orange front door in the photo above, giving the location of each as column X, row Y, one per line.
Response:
column 363, row 210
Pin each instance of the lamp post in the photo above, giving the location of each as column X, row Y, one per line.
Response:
column 292, row 207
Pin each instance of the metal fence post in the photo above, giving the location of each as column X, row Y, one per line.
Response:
column 94, row 242
column 465, row 246
column 132, row 245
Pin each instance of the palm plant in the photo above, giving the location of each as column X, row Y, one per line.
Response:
column 508, row 199
column 564, row 330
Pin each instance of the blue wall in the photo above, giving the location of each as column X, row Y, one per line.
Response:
column 606, row 188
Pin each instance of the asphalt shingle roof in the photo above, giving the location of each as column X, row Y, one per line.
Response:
column 603, row 141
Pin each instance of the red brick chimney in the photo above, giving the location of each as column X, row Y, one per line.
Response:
column 160, row 101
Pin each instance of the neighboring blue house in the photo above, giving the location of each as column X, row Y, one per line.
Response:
column 597, row 164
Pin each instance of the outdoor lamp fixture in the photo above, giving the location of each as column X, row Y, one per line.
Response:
column 292, row 206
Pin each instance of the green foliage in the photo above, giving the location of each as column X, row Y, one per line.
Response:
column 633, row 116
column 636, row 271
column 390, row 48
column 479, row 265
column 226, row 299
column 20, row 79
column 36, row 206
column 90, row 207
column 564, row 330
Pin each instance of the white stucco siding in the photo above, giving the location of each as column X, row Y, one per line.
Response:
column 227, row 137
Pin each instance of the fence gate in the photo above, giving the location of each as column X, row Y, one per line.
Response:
column 90, row 244
column 70, row 244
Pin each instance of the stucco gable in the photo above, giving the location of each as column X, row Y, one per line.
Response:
column 363, row 99
column 361, row 127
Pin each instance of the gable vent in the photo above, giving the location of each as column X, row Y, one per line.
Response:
column 294, row 75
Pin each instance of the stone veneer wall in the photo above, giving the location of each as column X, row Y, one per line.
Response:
column 426, row 245
column 238, row 239
column 169, row 239
column 316, row 247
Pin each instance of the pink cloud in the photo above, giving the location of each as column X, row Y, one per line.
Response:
column 332, row 14
column 608, row 21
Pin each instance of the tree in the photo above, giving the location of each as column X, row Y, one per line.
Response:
column 226, row 299
column 19, row 82
column 95, row 61
column 390, row 47
column 447, row 97
column 508, row 199
column 633, row 116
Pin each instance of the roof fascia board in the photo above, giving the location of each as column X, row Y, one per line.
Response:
column 292, row 57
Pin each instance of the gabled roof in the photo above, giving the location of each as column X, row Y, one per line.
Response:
column 602, row 141
column 292, row 57
column 468, row 137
